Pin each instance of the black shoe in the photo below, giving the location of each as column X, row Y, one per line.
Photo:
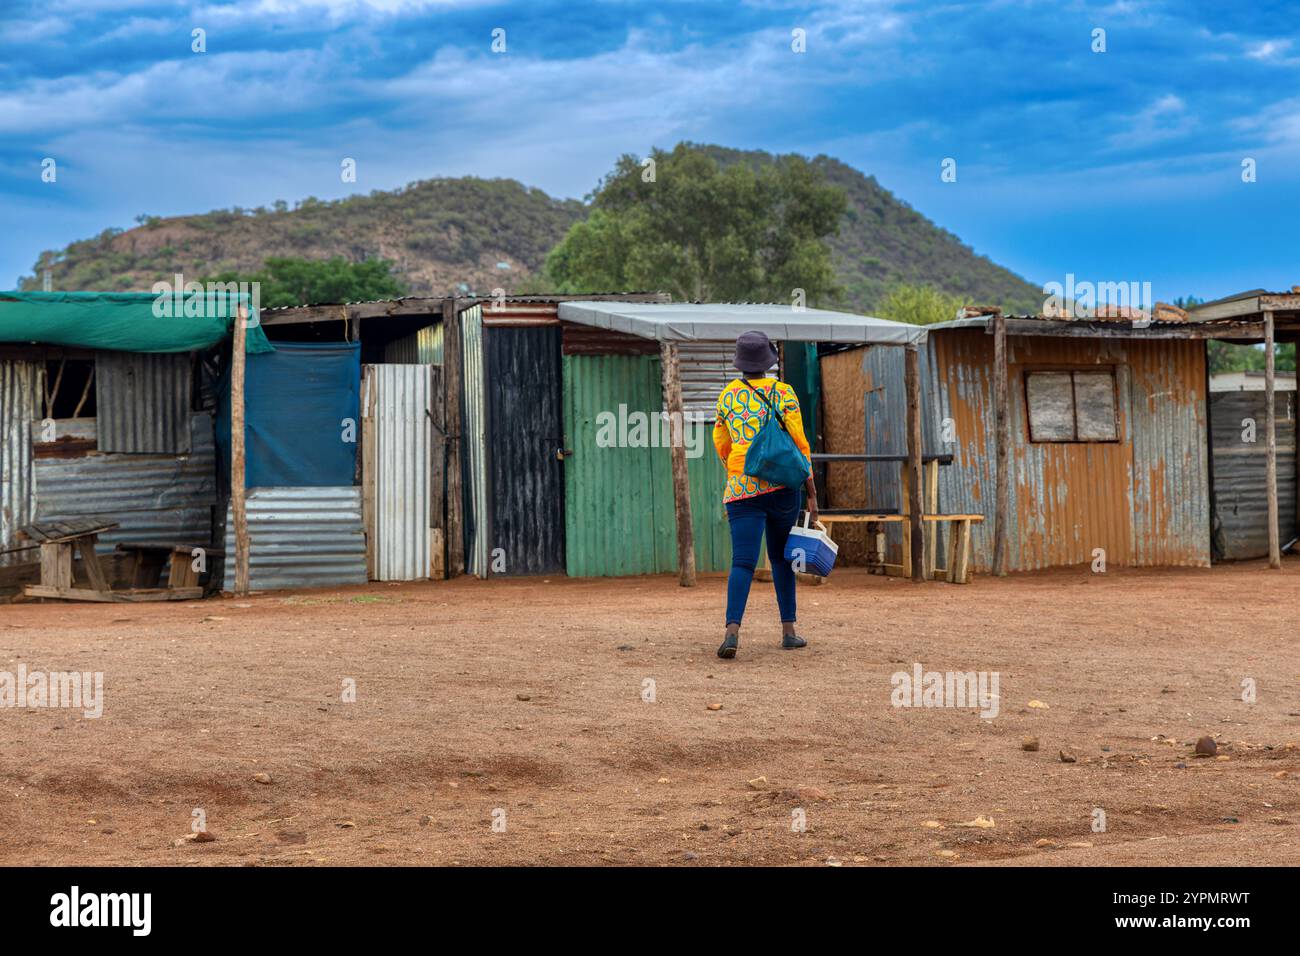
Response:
column 728, row 649
column 790, row 641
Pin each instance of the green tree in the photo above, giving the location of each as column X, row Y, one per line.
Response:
column 687, row 225
column 920, row 304
column 287, row 282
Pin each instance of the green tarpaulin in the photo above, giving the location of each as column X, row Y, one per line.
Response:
column 125, row 321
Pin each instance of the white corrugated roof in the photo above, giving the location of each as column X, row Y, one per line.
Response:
column 703, row 321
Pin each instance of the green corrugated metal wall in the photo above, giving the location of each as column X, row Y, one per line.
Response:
column 619, row 501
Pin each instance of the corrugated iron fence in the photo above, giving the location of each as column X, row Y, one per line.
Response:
column 1238, row 421
column 400, row 468
column 21, row 386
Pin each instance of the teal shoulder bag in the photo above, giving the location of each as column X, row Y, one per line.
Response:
column 773, row 456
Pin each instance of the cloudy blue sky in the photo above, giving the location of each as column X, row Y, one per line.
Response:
column 1117, row 166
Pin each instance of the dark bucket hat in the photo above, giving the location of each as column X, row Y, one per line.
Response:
column 755, row 353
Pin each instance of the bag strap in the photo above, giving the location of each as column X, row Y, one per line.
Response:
column 766, row 401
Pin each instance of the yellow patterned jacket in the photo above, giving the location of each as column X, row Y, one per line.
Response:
column 740, row 414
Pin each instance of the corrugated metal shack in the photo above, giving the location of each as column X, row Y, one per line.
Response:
column 1107, row 432
column 614, row 369
column 116, row 432
column 1253, row 423
column 463, row 429
column 503, row 481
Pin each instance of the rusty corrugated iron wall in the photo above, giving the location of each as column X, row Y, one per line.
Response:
column 1143, row 499
column 21, row 388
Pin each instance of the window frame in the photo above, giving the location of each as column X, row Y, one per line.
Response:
column 1107, row 368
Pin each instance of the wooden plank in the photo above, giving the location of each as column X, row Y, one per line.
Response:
column 238, row 505
column 56, row 564
column 916, row 492
column 453, row 371
column 951, row 558
column 931, row 507
column 828, row 520
column 369, row 390
column 181, row 573
column 970, row 517
column 51, row 531
column 113, row 597
column 959, row 567
column 90, row 561
column 438, row 478
column 1002, row 501
column 672, row 385
column 1270, row 462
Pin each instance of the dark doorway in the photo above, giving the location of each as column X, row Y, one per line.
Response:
column 525, row 436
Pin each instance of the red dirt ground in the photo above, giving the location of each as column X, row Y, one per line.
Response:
column 525, row 696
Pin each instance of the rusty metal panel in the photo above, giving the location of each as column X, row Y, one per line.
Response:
column 155, row 498
column 21, row 387
column 1171, row 459
column 1143, row 500
column 143, row 403
column 397, row 404
column 1238, row 432
column 588, row 340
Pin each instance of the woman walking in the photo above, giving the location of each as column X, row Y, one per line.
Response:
column 755, row 505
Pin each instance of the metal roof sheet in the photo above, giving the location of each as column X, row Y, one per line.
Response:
column 693, row 322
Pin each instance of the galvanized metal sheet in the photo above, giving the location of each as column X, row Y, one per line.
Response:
column 1238, row 422
column 704, row 321
column 301, row 538
column 526, row 435
column 474, row 443
column 21, row 386
column 156, row 498
column 397, row 406
column 422, row 347
column 619, row 511
column 142, row 402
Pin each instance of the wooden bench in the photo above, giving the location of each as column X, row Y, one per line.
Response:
column 149, row 558
column 61, row 541
column 958, row 557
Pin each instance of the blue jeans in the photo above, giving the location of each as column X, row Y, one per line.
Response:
column 776, row 512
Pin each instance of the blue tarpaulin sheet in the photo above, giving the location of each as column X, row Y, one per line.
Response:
column 302, row 415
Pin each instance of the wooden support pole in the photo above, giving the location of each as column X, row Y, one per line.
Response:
column 1270, row 473
column 453, row 358
column 238, row 507
column 672, row 381
column 915, row 476
column 1002, row 501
